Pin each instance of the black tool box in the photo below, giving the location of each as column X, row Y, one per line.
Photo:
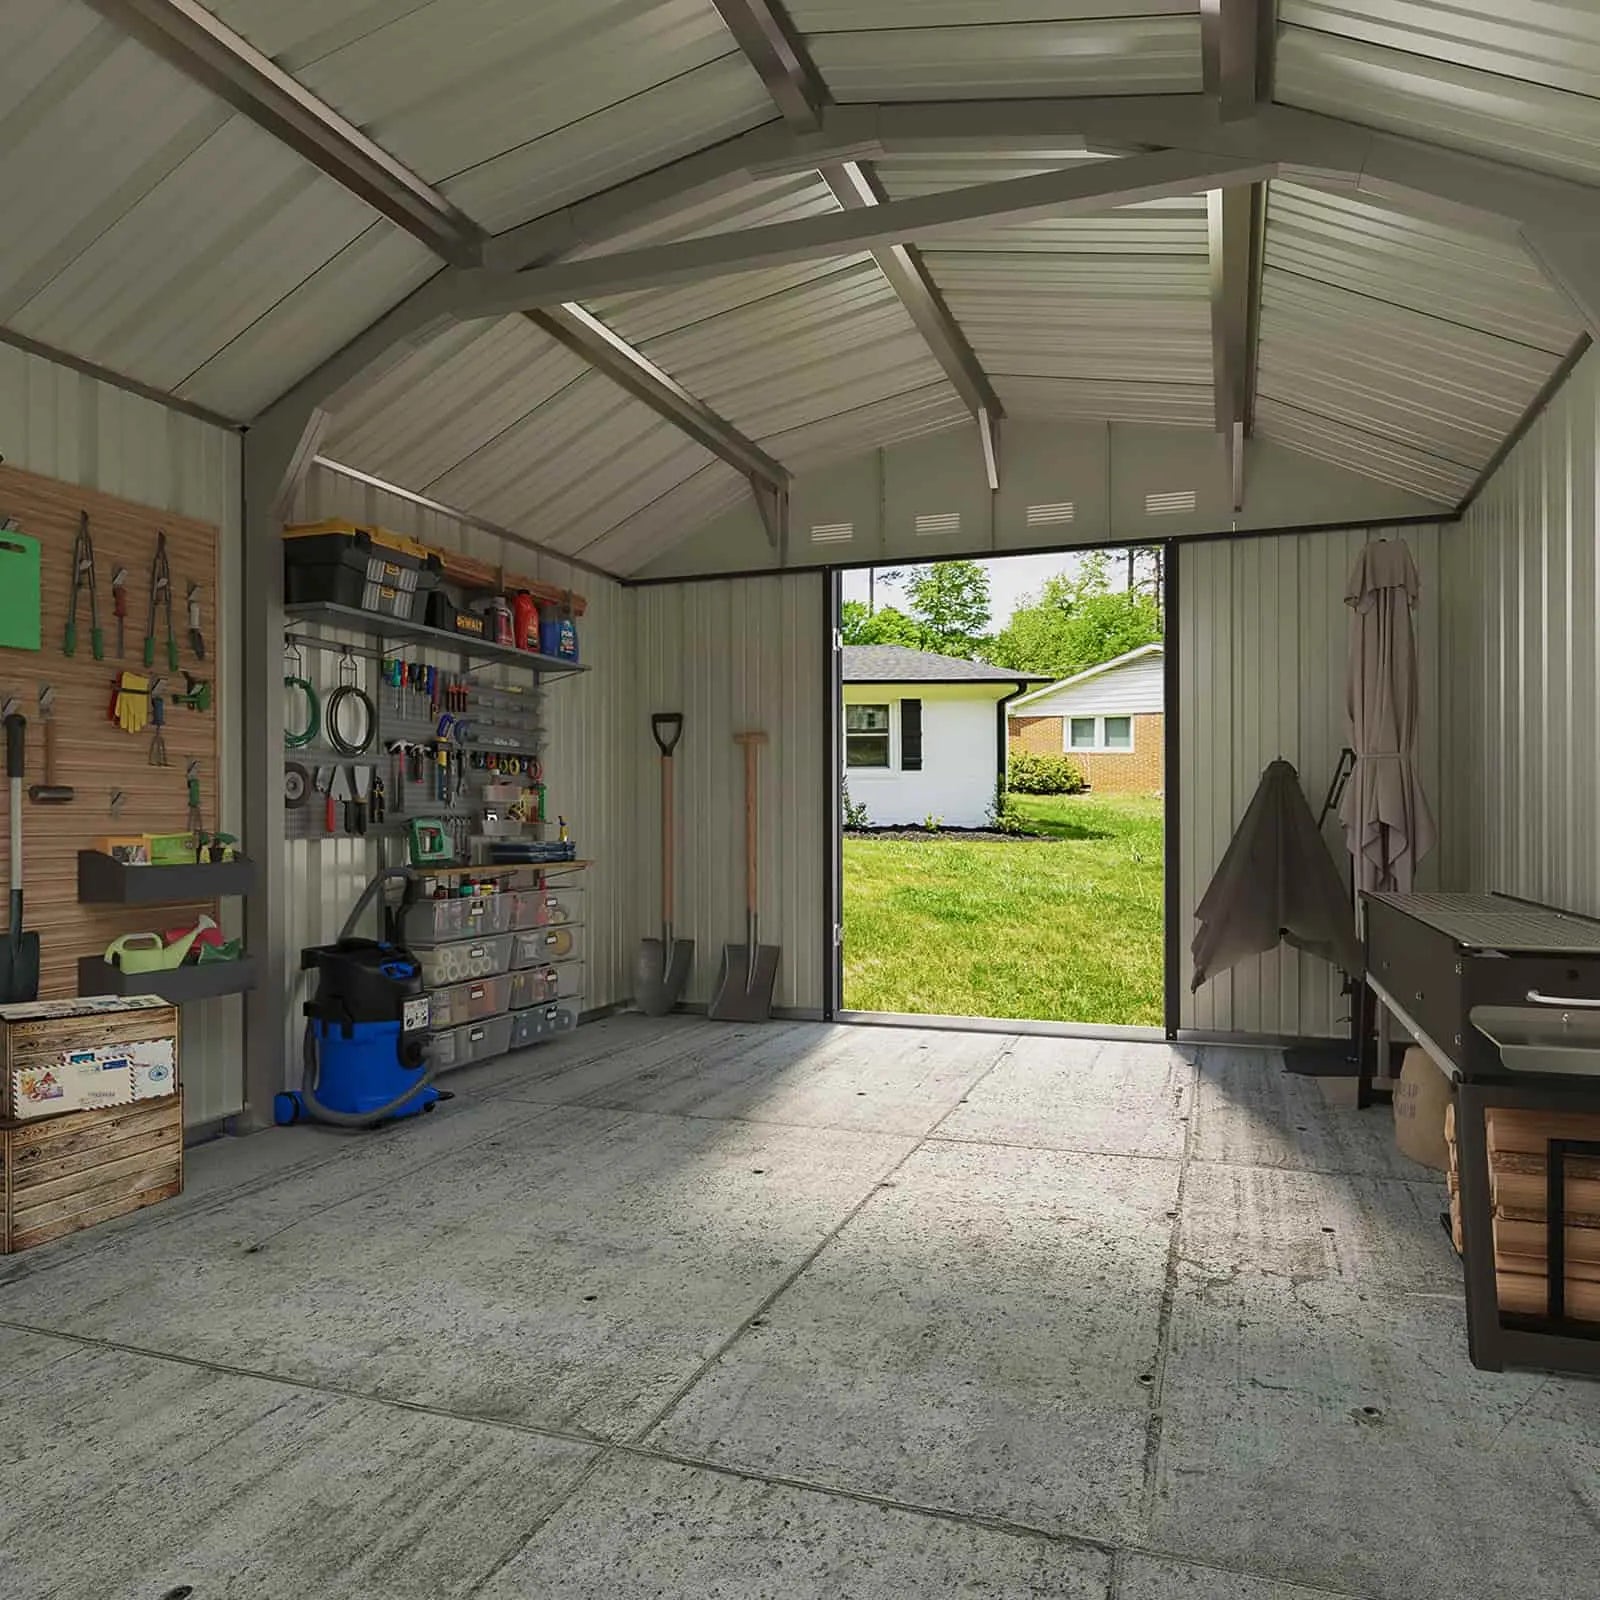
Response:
column 339, row 563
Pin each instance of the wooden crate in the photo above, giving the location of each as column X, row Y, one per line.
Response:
column 40, row 1033
column 64, row 1173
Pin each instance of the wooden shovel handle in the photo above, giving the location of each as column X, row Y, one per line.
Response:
column 667, row 830
column 752, row 743
column 50, row 752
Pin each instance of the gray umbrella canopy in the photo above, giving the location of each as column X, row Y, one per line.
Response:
column 1277, row 881
column 1388, row 826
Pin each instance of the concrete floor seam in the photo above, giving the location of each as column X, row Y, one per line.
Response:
column 1169, row 1295
column 1051, row 1149
column 794, row 1277
column 1146, row 1553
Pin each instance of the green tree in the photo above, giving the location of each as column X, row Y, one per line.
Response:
column 951, row 601
column 1076, row 622
column 884, row 626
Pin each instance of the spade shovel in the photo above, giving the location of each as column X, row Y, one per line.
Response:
column 662, row 967
column 749, row 970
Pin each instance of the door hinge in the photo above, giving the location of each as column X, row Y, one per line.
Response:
column 838, row 935
column 838, row 640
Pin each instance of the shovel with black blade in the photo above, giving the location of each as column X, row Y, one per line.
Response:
column 19, row 951
column 662, row 967
column 749, row 970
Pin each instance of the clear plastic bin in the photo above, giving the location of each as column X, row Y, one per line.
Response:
column 540, row 908
column 539, row 1023
column 464, row 917
column 446, row 964
column 472, row 1041
column 542, row 946
column 534, row 986
column 469, row 1002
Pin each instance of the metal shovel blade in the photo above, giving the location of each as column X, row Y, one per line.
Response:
column 660, row 973
column 744, row 987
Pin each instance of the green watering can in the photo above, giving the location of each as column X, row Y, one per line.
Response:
column 149, row 952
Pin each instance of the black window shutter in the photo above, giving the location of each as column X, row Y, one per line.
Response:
column 911, row 736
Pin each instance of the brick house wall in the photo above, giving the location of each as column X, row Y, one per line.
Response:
column 1136, row 771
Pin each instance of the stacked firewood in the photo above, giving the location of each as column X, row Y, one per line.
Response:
column 1518, row 1167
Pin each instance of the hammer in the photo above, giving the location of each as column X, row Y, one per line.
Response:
column 49, row 793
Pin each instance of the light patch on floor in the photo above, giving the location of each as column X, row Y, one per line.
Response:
column 679, row 1308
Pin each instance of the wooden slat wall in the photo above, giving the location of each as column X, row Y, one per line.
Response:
column 92, row 754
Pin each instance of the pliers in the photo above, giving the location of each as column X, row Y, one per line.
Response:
column 83, row 578
column 160, row 600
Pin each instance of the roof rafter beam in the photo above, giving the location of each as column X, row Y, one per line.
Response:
column 778, row 54
column 211, row 54
column 1472, row 191
column 1098, row 187
column 194, row 41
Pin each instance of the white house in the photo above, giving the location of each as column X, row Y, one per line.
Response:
column 924, row 734
column 1110, row 719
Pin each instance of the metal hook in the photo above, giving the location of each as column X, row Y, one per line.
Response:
column 349, row 672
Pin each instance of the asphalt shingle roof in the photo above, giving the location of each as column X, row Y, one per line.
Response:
column 895, row 663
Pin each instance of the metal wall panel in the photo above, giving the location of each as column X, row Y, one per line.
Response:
column 735, row 655
column 1501, row 112
column 1112, row 55
column 1522, row 592
column 1262, row 639
column 590, row 758
column 64, row 425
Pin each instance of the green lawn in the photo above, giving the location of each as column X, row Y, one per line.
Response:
column 1066, row 928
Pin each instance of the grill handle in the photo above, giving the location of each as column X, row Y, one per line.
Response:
column 1567, row 1003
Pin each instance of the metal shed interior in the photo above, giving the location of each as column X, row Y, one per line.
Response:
column 689, row 303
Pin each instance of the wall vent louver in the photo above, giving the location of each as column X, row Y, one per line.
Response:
column 1053, row 514
column 832, row 532
column 1166, row 505
column 932, row 523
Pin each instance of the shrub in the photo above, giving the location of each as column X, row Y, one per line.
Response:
column 1034, row 774
column 855, row 816
column 1005, row 816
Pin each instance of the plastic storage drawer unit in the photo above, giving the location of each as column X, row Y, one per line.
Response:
column 446, row 964
column 472, row 1041
column 539, row 1023
column 544, row 945
column 464, row 917
column 541, row 908
column 470, row 1002
column 534, row 986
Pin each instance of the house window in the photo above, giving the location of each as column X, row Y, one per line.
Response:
column 866, row 736
column 1100, row 733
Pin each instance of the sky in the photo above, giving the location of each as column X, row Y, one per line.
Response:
column 1012, row 579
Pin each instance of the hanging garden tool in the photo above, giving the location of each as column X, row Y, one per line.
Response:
column 119, row 604
column 197, row 640
column 749, row 970
column 83, row 578
column 160, row 601
column 195, row 822
column 49, row 793
column 196, row 695
column 158, row 720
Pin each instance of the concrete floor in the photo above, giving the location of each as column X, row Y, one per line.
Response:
column 681, row 1309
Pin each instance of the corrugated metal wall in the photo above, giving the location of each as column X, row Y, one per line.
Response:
column 735, row 655
column 589, row 749
column 1261, row 653
column 63, row 424
column 1522, row 595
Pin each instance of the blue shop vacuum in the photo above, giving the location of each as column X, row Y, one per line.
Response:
column 366, row 1042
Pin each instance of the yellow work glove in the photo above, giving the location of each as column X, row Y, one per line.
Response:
column 133, row 702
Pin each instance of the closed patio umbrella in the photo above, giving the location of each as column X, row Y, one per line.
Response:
column 1388, row 826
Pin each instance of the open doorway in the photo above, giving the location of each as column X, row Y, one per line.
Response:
column 1002, row 745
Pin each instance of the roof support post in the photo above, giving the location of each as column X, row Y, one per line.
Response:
column 773, row 503
column 770, row 43
column 277, row 457
column 989, row 442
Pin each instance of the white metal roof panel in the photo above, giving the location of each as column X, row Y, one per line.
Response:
column 575, row 467
column 451, row 397
column 1091, row 275
column 1553, row 42
column 1378, row 250
column 1435, row 387
column 649, row 532
column 845, row 16
column 148, row 228
column 876, row 425
column 1491, row 114
column 1371, row 454
column 1055, row 399
column 758, row 203
column 510, row 107
column 1111, row 55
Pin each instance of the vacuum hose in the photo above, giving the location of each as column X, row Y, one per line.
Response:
column 308, row 1052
